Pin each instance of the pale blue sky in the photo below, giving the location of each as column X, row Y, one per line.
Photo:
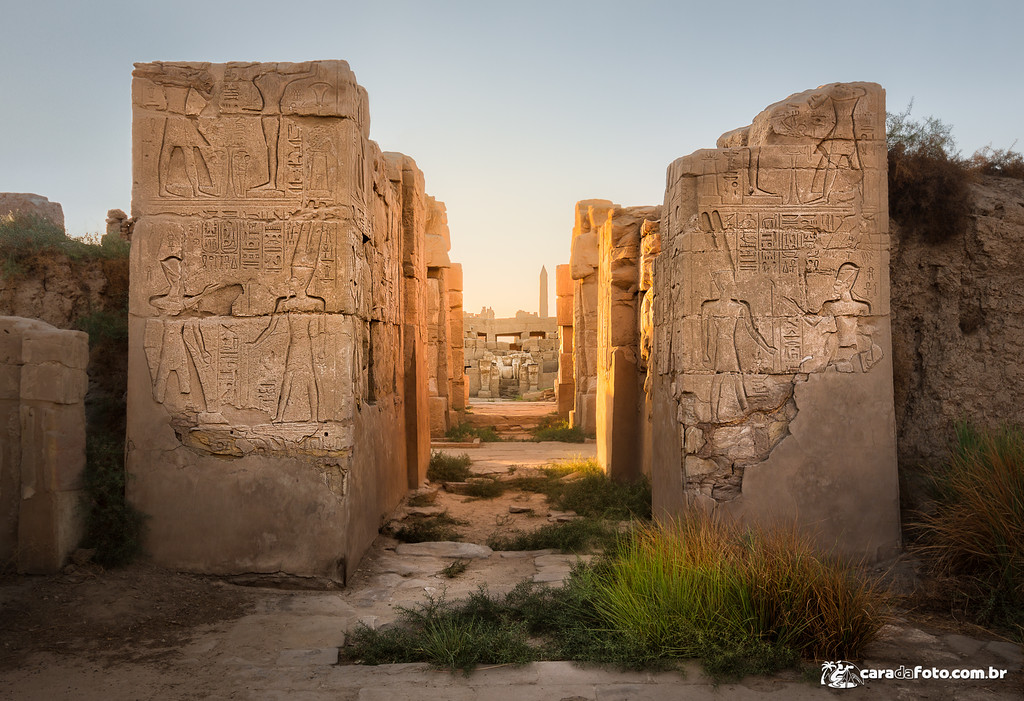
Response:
column 514, row 110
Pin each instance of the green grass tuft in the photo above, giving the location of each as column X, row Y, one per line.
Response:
column 551, row 428
column 465, row 432
column 577, row 536
column 449, row 468
column 429, row 529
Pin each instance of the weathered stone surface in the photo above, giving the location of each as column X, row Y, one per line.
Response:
column 445, row 549
column 31, row 205
column 42, row 443
column 519, row 363
column 771, row 321
column 278, row 264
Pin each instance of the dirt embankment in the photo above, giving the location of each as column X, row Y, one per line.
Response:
column 957, row 324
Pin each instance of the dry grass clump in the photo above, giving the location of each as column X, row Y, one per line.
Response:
column 975, row 530
column 709, row 589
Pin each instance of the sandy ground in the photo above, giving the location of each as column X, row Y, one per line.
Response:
column 147, row 633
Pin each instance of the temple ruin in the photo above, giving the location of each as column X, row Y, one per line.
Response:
column 297, row 332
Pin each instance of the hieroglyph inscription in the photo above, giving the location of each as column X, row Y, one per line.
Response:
column 261, row 228
column 784, row 271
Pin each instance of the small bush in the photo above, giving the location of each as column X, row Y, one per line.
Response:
column 454, row 569
column 1004, row 162
column 449, row 468
column 975, row 531
column 486, row 488
column 591, row 494
column 577, row 536
column 430, row 529
column 551, row 428
column 22, row 237
column 465, row 432
column 453, row 636
column 112, row 526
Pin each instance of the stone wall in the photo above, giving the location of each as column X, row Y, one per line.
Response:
column 526, row 362
column 278, row 264
column 771, row 330
column 42, row 443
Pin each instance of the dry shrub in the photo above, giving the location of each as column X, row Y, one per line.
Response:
column 929, row 193
column 687, row 585
column 975, row 532
column 999, row 161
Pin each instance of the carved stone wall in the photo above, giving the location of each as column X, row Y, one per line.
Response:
column 771, row 329
column 42, row 443
column 650, row 249
column 271, row 263
column 565, row 386
column 438, row 243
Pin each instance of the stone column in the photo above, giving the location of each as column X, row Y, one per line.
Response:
column 618, row 378
column 266, row 400
column 772, row 323
column 565, row 388
column 42, row 451
column 583, row 262
column 456, row 336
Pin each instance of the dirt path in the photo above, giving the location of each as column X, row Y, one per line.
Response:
column 145, row 633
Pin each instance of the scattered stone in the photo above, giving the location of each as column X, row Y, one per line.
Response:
column 515, row 509
column 423, row 510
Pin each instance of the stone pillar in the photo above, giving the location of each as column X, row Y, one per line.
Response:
column 456, row 334
column 438, row 244
column 618, row 378
column 583, row 262
column 266, row 401
column 42, row 451
column 565, row 387
column 407, row 179
column 650, row 248
column 772, row 323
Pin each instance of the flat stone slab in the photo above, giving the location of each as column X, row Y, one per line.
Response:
column 302, row 658
column 445, row 548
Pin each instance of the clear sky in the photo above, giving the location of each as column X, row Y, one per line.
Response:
column 514, row 110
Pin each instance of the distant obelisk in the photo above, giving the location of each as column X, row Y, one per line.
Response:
column 543, row 292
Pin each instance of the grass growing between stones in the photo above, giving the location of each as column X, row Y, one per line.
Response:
column 448, row 468
column 551, row 428
column 581, row 485
column 975, row 531
column 577, row 536
column 429, row 529
column 743, row 602
column 465, row 432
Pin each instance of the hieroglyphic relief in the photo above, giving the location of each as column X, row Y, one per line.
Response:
column 781, row 240
column 268, row 249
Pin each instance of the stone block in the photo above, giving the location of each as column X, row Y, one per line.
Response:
column 563, row 280
column 68, row 348
column 53, row 383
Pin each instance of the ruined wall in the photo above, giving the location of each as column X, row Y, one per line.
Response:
column 31, row 205
column 42, row 443
column 266, row 420
column 619, row 382
column 583, row 265
column 510, row 368
column 565, row 386
column 771, row 328
column 957, row 329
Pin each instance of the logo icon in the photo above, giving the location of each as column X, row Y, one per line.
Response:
column 841, row 675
